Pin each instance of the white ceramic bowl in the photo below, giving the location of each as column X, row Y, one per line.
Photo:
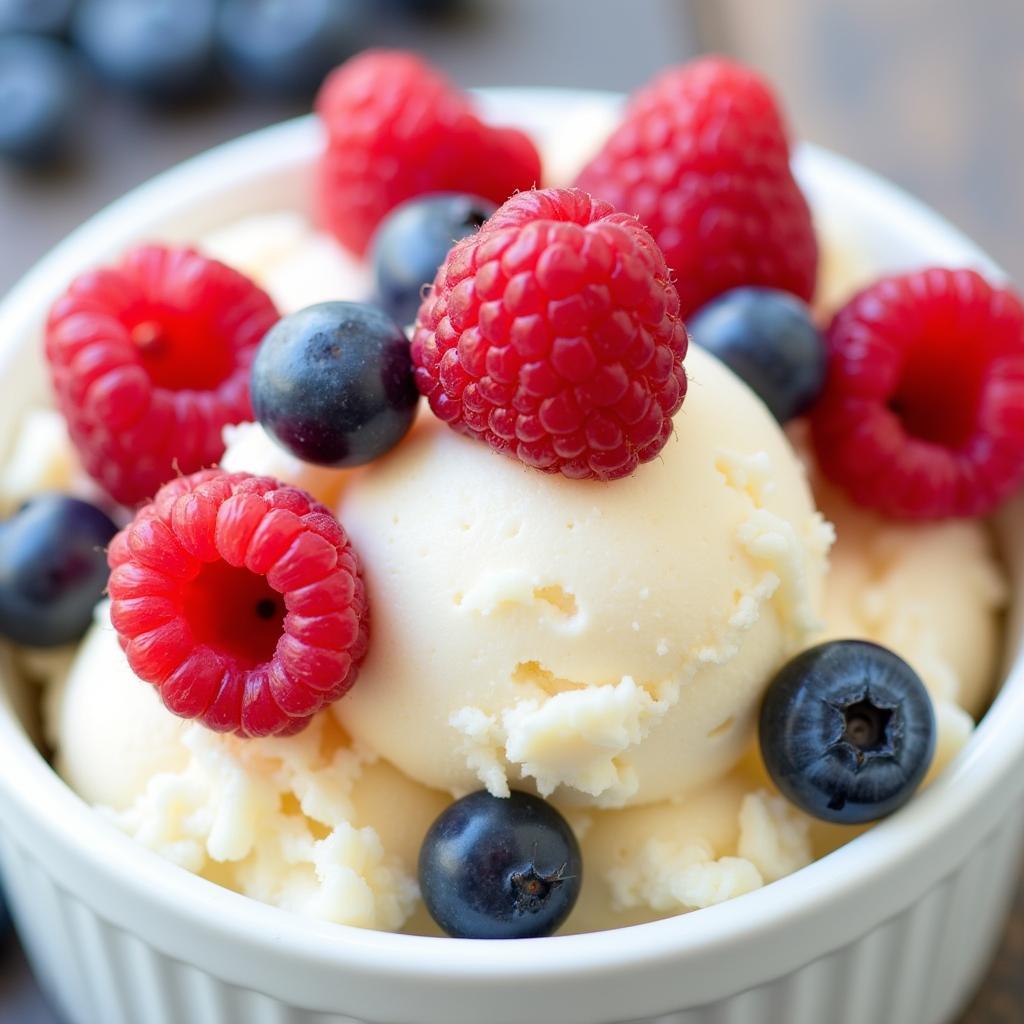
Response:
column 895, row 927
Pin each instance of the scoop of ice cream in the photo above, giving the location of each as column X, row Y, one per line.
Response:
column 604, row 642
column 932, row 592
column 111, row 732
column 310, row 823
column 668, row 858
column 42, row 458
column 297, row 265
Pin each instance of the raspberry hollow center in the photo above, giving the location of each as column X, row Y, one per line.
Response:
column 939, row 394
column 235, row 612
column 179, row 353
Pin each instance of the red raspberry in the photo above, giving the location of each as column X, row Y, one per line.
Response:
column 922, row 415
column 150, row 359
column 703, row 160
column 396, row 128
column 553, row 334
column 241, row 600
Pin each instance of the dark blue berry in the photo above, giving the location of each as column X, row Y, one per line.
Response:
column 48, row 17
column 286, row 47
column 494, row 868
column 847, row 731
column 768, row 339
column 412, row 242
column 53, row 569
column 333, row 384
column 159, row 49
column 38, row 98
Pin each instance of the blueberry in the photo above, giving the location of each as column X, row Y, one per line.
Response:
column 49, row 17
column 412, row 242
column 287, row 46
column 495, row 868
column 159, row 49
column 847, row 731
column 38, row 98
column 53, row 569
column 333, row 384
column 768, row 339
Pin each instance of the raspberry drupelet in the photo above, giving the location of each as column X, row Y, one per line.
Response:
column 397, row 128
column 702, row 158
column 241, row 600
column 150, row 360
column 553, row 334
column 922, row 416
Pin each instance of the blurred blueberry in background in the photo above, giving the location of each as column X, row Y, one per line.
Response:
column 287, row 46
column 160, row 49
column 174, row 52
column 38, row 98
column 50, row 17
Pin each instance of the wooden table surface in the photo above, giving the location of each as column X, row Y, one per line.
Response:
column 928, row 92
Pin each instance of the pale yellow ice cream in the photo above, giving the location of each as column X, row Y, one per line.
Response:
column 297, row 265
column 932, row 592
column 604, row 643
column 311, row 823
column 668, row 858
column 607, row 644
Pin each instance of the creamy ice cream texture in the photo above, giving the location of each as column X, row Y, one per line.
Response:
column 602, row 644
column 312, row 823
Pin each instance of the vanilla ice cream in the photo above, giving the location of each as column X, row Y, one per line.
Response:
column 642, row 863
column 931, row 591
column 312, row 823
column 296, row 264
column 607, row 644
column 603, row 644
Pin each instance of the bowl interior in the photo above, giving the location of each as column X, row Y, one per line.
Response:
column 270, row 170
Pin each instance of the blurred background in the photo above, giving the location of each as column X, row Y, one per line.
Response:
column 98, row 95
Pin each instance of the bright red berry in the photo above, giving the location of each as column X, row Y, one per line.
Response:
column 150, row 360
column 396, row 128
column 553, row 334
column 922, row 415
column 240, row 599
column 702, row 159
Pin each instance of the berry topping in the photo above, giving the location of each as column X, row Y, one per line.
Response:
column 412, row 242
column 396, row 128
column 703, row 160
column 500, row 868
column 288, row 47
column 922, row 415
column 847, row 731
column 768, row 339
column 53, row 570
column 553, row 334
column 39, row 90
column 333, row 384
column 161, row 49
column 241, row 601
column 150, row 360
